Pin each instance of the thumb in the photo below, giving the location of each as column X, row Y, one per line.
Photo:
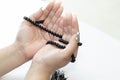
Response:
column 72, row 46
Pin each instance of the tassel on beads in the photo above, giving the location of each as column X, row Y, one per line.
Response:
column 58, row 75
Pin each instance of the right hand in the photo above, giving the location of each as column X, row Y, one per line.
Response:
column 50, row 58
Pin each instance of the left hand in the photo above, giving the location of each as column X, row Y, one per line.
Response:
column 30, row 38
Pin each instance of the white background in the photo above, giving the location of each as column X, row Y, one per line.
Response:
column 98, row 59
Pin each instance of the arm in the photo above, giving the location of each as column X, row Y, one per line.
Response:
column 10, row 58
column 37, row 72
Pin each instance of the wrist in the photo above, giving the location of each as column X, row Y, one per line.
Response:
column 10, row 56
column 37, row 72
column 20, row 51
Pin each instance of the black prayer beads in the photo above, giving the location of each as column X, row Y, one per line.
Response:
column 38, row 24
column 41, row 27
column 56, row 44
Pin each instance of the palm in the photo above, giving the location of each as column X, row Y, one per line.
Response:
column 67, row 26
column 57, row 58
column 70, row 26
column 30, row 37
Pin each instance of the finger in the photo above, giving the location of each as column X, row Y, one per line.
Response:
column 65, row 24
column 55, row 18
column 72, row 46
column 69, row 23
column 69, row 19
column 33, row 17
column 75, row 25
column 47, row 10
column 57, row 14
column 40, row 14
column 58, row 27
column 66, row 30
column 52, row 13
column 54, row 22
column 36, row 15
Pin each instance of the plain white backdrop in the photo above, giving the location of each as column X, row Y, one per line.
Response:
column 98, row 58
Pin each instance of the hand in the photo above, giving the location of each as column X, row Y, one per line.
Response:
column 50, row 58
column 30, row 38
column 66, row 25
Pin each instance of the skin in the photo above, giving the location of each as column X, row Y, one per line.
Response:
column 34, row 38
column 29, row 38
column 44, row 63
column 30, row 43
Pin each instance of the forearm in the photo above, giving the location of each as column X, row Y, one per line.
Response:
column 10, row 58
column 37, row 72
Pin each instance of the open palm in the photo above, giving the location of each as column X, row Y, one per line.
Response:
column 57, row 58
column 66, row 25
column 29, row 37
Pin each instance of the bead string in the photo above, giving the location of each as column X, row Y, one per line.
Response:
column 58, row 75
column 56, row 44
column 43, row 28
column 66, row 42
column 37, row 24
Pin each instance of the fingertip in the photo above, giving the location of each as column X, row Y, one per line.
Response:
column 69, row 19
column 50, row 5
column 59, row 12
column 35, row 16
column 75, row 23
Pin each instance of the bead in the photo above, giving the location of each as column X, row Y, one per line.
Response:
column 56, row 44
column 36, row 23
column 79, row 44
column 41, row 27
column 63, row 41
column 58, row 75
column 73, row 58
column 39, row 22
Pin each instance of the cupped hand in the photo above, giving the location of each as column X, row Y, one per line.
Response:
column 67, row 25
column 30, row 38
column 49, row 58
